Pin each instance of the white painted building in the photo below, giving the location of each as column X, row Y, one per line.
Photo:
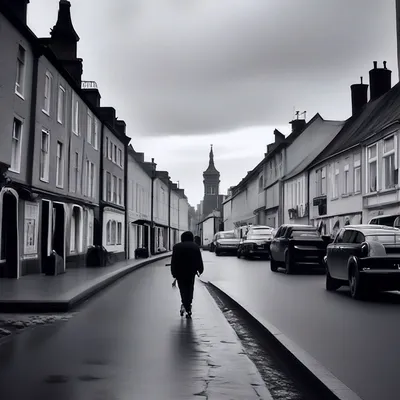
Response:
column 304, row 149
column 161, row 209
column 139, row 203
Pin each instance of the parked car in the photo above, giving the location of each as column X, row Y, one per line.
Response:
column 297, row 245
column 225, row 242
column 256, row 242
column 364, row 257
column 386, row 220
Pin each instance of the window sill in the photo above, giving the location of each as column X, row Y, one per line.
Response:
column 380, row 192
column 14, row 171
column 75, row 133
column 60, row 122
column 44, row 180
column 346, row 195
column 20, row 95
column 46, row 112
column 60, row 186
column 334, row 198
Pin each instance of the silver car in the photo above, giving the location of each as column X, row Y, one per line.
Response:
column 225, row 242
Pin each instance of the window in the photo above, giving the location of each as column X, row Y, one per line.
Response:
column 90, row 227
column 44, row 156
column 357, row 176
column 119, row 233
column 321, row 181
column 114, row 154
column 119, row 158
column 336, row 181
column 119, row 191
column 113, row 232
column 346, row 180
column 31, row 228
column 110, row 147
column 61, row 104
column 106, row 148
column 372, row 175
column 389, row 162
column 60, row 165
column 108, row 232
column 261, row 183
column 115, row 188
column 89, row 133
column 90, row 179
column 47, row 93
column 75, row 231
column 108, row 187
column 76, row 171
column 16, row 146
column 95, row 133
column 20, row 78
column 75, row 114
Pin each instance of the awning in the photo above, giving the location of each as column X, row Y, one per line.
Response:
column 141, row 222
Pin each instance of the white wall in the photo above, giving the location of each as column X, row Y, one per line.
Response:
column 118, row 216
column 227, row 212
column 208, row 231
column 295, row 196
column 139, row 191
column 160, row 202
column 183, row 215
column 174, row 210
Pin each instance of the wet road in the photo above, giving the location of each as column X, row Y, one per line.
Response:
column 359, row 342
column 129, row 343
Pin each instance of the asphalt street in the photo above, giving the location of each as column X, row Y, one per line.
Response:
column 129, row 343
column 357, row 341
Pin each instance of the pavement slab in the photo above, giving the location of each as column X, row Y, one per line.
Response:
column 130, row 343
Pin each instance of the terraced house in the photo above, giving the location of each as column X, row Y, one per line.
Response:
column 356, row 177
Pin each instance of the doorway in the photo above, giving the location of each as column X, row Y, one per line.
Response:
column 58, row 242
column 45, row 232
column 9, row 257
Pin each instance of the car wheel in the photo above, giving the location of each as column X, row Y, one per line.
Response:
column 331, row 284
column 357, row 288
column 239, row 254
column 217, row 252
column 273, row 265
column 288, row 264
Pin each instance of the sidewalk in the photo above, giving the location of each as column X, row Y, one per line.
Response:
column 40, row 293
column 131, row 344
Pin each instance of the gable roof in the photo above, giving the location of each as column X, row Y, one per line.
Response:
column 329, row 129
column 374, row 117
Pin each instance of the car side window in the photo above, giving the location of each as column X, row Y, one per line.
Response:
column 359, row 238
column 339, row 237
column 278, row 232
column 347, row 236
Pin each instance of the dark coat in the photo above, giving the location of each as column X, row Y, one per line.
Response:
column 186, row 260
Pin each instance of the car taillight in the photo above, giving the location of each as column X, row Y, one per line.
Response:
column 364, row 250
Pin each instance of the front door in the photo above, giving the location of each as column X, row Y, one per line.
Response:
column 9, row 237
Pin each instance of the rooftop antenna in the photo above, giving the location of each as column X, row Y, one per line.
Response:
column 304, row 113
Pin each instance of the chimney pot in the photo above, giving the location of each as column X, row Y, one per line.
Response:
column 359, row 96
column 361, row 78
column 380, row 80
column 152, row 160
column 375, row 64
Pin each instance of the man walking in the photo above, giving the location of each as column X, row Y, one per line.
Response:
column 185, row 264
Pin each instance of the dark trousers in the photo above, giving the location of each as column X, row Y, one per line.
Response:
column 186, row 287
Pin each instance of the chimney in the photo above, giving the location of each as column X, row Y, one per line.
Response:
column 359, row 96
column 298, row 125
column 64, row 41
column 279, row 137
column 108, row 115
column 17, row 7
column 91, row 92
column 380, row 81
column 120, row 126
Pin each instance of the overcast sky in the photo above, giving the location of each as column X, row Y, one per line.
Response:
column 187, row 73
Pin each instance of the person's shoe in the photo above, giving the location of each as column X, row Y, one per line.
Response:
column 182, row 311
column 189, row 314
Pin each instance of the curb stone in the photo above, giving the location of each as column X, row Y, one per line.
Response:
column 334, row 387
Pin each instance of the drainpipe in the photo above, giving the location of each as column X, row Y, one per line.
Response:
column 99, row 234
column 126, row 198
column 308, row 195
column 32, row 122
column 152, row 209
column 169, row 215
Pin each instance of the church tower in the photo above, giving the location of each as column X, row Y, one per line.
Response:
column 211, row 181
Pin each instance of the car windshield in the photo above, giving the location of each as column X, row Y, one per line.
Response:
column 228, row 235
column 383, row 238
column 259, row 233
column 305, row 233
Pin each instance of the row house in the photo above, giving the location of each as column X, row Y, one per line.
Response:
column 315, row 137
column 356, row 177
column 245, row 204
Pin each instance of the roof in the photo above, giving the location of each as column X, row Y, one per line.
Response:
column 329, row 129
column 374, row 229
column 374, row 117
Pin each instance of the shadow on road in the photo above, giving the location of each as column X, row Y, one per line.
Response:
column 380, row 297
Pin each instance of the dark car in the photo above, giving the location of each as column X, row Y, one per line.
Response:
column 225, row 242
column 256, row 242
column 364, row 257
column 295, row 245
